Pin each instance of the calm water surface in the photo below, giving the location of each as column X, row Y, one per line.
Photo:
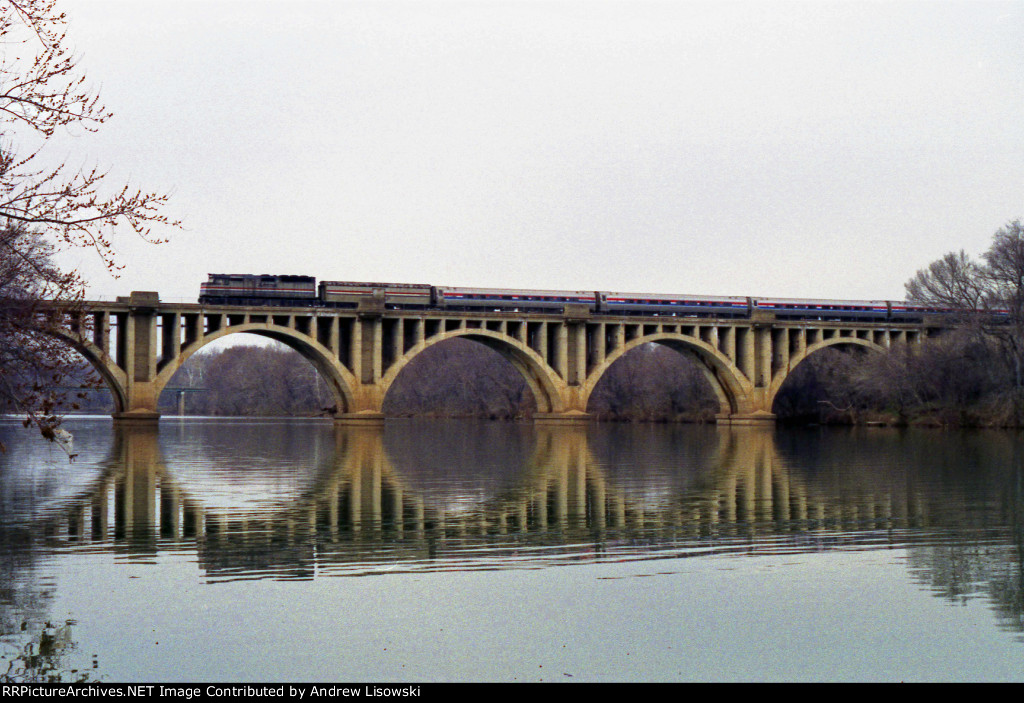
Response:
column 457, row 551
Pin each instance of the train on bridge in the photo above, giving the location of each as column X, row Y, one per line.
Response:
column 303, row 291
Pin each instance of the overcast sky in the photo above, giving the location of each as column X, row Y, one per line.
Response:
column 818, row 149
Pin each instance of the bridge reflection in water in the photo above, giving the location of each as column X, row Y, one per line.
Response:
column 372, row 502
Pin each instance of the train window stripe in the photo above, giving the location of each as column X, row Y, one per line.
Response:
column 256, row 286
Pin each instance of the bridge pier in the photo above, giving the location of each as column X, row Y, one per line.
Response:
column 137, row 348
column 754, row 407
column 572, row 417
column 142, row 401
column 366, row 418
column 759, row 417
column 137, row 418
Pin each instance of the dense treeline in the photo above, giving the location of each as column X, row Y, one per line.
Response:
column 981, row 366
column 459, row 378
column 654, row 383
column 249, row 380
column 970, row 375
column 954, row 380
column 464, row 379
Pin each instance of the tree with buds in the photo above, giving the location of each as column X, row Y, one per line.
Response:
column 47, row 208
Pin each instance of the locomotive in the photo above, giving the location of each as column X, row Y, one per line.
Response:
column 303, row 291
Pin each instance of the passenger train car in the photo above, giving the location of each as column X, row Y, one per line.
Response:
column 519, row 300
column 349, row 293
column 798, row 308
column 302, row 291
column 631, row 303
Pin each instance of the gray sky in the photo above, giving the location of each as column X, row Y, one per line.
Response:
column 818, row 149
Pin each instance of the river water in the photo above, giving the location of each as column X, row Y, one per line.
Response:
column 231, row 550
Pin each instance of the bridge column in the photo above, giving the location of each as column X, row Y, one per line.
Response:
column 576, row 353
column 600, row 350
column 561, row 351
column 727, row 342
column 141, row 347
column 101, row 332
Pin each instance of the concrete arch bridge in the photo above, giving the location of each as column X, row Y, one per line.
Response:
column 138, row 342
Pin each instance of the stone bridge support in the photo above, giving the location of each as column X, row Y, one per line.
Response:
column 137, row 343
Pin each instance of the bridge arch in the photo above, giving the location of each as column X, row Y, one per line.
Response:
column 729, row 384
column 112, row 375
column 797, row 359
column 549, row 391
column 338, row 379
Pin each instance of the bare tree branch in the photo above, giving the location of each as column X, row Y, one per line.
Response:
column 44, row 209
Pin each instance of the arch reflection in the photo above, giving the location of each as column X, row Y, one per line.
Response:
column 436, row 496
column 424, row 492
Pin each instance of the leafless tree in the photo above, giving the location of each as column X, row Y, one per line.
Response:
column 654, row 383
column 32, row 365
column 460, row 378
column 1004, row 271
column 955, row 281
column 990, row 295
column 45, row 208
